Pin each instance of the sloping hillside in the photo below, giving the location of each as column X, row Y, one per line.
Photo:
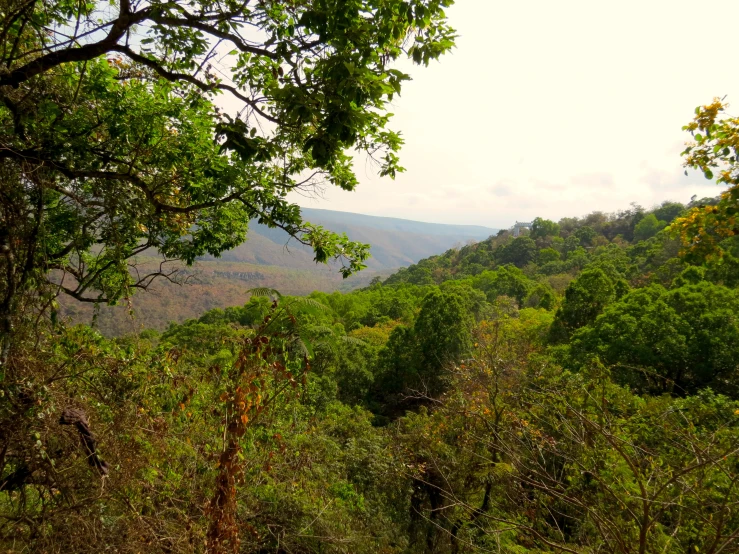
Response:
column 395, row 242
column 269, row 259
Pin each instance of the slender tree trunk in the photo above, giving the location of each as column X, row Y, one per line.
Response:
column 19, row 267
column 6, row 306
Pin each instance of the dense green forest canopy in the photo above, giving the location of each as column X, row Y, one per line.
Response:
column 572, row 389
column 569, row 390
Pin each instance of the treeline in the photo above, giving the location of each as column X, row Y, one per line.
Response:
column 564, row 247
column 569, row 390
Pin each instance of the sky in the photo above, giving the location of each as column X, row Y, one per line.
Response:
column 553, row 109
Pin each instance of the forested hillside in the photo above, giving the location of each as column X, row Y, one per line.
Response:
column 393, row 242
column 270, row 258
column 572, row 390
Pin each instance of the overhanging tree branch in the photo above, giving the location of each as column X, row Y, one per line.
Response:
column 187, row 78
column 79, row 54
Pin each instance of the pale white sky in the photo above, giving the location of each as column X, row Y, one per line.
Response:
column 553, row 109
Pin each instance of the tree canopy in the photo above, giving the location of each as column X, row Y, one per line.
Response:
column 680, row 341
column 164, row 127
column 648, row 227
column 570, row 390
column 541, row 228
column 584, row 300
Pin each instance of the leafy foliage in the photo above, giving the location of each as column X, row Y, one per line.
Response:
column 113, row 145
column 572, row 390
column 715, row 148
column 585, row 298
column 679, row 341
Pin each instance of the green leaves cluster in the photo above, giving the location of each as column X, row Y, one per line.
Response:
column 679, row 341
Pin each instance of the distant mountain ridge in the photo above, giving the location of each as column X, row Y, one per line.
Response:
column 330, row 217
column 270, row 258
column 394, row 242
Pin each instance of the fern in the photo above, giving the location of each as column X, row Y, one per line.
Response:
column 265, row 291
column 317, row 330
column 299, row 345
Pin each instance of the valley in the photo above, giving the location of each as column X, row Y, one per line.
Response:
column 269, row 258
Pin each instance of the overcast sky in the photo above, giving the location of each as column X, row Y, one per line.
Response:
column 553, row 109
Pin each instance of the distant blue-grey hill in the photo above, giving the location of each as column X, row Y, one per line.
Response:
column 269, row 259
column 331, row 217
column 394, row 242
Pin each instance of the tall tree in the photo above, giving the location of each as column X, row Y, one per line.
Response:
column 584, row 300
column 648, row 227
column 443, row 333
column 541, row 228
column 112, row 141
column 519, row 252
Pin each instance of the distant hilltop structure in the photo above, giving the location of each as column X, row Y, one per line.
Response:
column 521, row 225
